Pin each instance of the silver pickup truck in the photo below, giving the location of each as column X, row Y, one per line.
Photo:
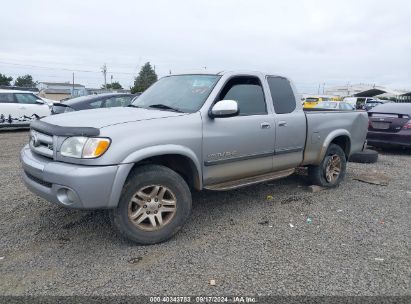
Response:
column 193, row 131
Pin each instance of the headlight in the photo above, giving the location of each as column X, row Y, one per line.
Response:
column 84, row 147
column 68, row 109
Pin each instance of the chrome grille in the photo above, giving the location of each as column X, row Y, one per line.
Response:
column 41, row 143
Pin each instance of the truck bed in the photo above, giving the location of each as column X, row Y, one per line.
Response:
column 321, row 126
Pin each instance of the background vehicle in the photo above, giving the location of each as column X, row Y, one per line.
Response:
column 311, row 102
column 105, row 100
column 200, row 131
column 19, row 108
column 368, row 105
column 362, row 102
column 337, row 105
column 390, row 125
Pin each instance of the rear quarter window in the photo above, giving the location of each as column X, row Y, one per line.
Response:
column 282, row 94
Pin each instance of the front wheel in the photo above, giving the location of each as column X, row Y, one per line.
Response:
column 155, row 203
column 331, row 170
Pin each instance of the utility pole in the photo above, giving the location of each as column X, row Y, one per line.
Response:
column 318, row 91
column 111, row 81
column 72, row 93
column 104, row 71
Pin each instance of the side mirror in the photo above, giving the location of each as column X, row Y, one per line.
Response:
column 224, row 108
column 40, row 101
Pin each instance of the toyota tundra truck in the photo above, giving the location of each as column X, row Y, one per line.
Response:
column 185, row 133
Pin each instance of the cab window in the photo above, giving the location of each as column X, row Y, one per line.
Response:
column 248, row 93
column 282, row 95
column 26, row 98
column 95, row 104
column 118, row 101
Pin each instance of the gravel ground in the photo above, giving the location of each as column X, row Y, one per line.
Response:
column 357, row 242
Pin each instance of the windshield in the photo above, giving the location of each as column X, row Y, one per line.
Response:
column 186, row 93
column 311, row 99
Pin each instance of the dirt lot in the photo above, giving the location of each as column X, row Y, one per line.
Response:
column 352, row 240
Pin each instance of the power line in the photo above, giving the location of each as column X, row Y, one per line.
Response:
column 61, row 68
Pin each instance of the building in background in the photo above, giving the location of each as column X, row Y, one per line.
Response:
column 369, row 90
column 60, row 90
column 91, row 91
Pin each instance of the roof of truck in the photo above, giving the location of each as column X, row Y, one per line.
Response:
column 223, row 72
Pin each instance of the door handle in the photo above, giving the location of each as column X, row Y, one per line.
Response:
column 22, row 107
column 282, row 123
column 265, row 125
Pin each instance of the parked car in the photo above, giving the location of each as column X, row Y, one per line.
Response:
column 362, row 103
column 19, row 108
column 311, row 102
column 334, row 105
column 390, row 125
column 105, row 100
column 371, row 104
column 194, row 131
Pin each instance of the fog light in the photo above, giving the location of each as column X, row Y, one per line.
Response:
column 71, row 196
column 67, row 196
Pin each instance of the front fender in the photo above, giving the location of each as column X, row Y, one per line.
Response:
column 164, row 150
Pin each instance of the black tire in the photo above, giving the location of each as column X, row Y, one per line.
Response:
column 145, row 176
column 317, row 174
column 365, row 157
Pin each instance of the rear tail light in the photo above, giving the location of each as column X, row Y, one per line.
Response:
column 369, row 124
column 407, row 125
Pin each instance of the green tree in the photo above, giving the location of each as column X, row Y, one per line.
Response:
column 4, row 80
column 145, row 78
column 115, row 86
column 25, row 81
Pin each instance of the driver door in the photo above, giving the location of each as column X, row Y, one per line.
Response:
column 240, row 146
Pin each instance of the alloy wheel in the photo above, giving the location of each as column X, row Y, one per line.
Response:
column 152, row 207
column 333, row 168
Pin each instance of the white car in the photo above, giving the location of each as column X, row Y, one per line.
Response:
column 19, row 108
column 361, row 102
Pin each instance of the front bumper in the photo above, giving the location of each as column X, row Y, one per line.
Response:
column 71, row 185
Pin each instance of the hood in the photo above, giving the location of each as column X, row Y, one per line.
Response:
column 99, row 118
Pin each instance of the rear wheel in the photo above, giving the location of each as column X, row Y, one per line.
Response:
column 331, row 170
column 155, row 203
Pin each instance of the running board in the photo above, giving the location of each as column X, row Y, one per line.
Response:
column 250, row 180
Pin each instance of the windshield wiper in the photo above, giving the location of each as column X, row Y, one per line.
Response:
column 165, row 107
column 133, row 106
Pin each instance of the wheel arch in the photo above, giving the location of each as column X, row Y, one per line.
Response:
column 178, row 158
column 341, row 138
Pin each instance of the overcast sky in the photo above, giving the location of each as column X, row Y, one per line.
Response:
column 331, row 42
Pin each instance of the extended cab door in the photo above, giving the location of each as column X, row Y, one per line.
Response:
column 239, row 146
column 290, row 124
